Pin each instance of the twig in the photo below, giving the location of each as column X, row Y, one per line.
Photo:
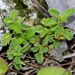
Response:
column 68, row 56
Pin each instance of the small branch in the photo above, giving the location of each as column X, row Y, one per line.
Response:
column 68, row 56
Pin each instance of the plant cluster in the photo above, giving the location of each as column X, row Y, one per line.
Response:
column 39, row 39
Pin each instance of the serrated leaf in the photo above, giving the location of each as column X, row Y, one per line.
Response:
column 17, row 60
column 49, row 21
column 34, row 49
column 58, row 31
column 33, row 39
column 56, row 44
column 50, row 38
column 6, row 39
column 14, row 14
column 39, row 29
column 20, row 40
column 43, row 34
column 53, row 28
column 25, row 48
column 43, row 50
column 45, row 41
column 8, row 20
column 36, row 44
column 16, row 27
column 54, row 12
column 68, row 35
column 20, row 19
column 30, row 33
column 3, row 66
column 25, row 27
column 69, row 12
column 39, row 58
column 17, row 66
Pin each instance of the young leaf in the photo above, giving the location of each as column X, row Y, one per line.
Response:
column 50, row 38
column 8, row 20
column 68, row 35
column 49, row 21
column 14, row 14
column 18, row 66
column 69, row 12
column 6, row 38
column 20, row 40
column 56, row 44
column 3, row 66
column 39, row 58
column 16, row 27
column 39, row 29
column 34, row 49
column 58, row 31
column 54, row 12
column 30, row 33
column 25, row 27
column 45, row 41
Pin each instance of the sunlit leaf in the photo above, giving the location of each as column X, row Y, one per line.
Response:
column 3, row 66
column 6, row 38
column 39, row 58
column 69, row 12
column 54, row 12
column 30, row 33
column 14, row 14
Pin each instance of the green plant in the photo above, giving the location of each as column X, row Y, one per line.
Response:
column 53, row 71
column 3, row 66
column 39, row 39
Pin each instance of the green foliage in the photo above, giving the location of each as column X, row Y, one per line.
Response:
column 3, row 66
column 39, row 38
column 54, row 71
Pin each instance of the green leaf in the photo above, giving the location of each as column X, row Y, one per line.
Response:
column 3, row 66
column 14, row 14
column 8, row 20
column 18, row 66
column 16, row 27
column 58, row 32
column 54, row 12
column 68, row 35
column 54, row 27
column 25, row 27
column 25, row 49
column 30, row 33
column 17, row 60
column 56, row 44
column 34, row 49
column 50, row 38
column 45, row 41
column 53, row 71
column 43, row 34
column 20, row 40
column 43, row 50
column 39, row 58
column 20, row 19
column 69, row 12
column 6, row 38
column 33, row 39
column 9, row 54
column 39, row 29
column 36, row 44
column 49, row 21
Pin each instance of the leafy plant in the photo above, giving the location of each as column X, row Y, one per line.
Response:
column 53, row 71
column 3, row 66
column 39, row 39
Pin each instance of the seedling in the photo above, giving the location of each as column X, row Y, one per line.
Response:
column 39, row 39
